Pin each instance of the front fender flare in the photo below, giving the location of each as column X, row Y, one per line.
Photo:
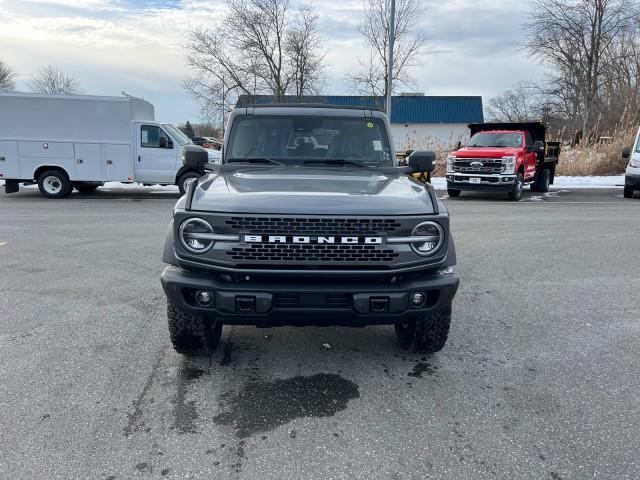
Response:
column 168, row 252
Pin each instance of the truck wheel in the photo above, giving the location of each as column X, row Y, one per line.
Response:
column 185, row 180
column 542, row 183
column 453, row 193
column 427, row 334
column 54, row 184
column 190, row 334
column 516, row 193
column 87, row 187
column 628, row 192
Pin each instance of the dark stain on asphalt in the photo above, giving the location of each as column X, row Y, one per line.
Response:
column 422, row 367
column 263, row 406
column 165, row 472
column 226, row 357
column 143, row 467
column 185, row 412
column 134, row 420
column 555, row 476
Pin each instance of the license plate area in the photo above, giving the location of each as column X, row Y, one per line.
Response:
column 474, row 180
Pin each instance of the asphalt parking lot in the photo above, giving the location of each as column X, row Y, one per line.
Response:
column 539, row 378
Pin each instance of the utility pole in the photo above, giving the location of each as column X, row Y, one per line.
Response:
column 392, row 24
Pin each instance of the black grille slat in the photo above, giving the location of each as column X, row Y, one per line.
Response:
column 330, row 300
column 312, row 253
column 313, row 226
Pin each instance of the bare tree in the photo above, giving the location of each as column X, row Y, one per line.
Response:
column 53, row 81
column 372, row 79
column 578, row 40
column 260, row 47
column 6, row 77
column 519, row 104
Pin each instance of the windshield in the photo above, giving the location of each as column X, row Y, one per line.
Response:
column 293, row 140
column 180, row 137
column 485, row 139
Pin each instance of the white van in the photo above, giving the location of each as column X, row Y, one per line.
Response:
column 632, row 174
column 63, row 142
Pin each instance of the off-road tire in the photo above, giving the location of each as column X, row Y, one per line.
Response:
column 542, row 180
column 87, row 187
column 65, row 186
column 516, row 193
column 191, row 335
column 453, row 193
column 628, row 192
column 427, row 334
column 183, row 180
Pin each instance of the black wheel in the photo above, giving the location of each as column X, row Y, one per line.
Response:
column 87, row 187
column 427, row 334
column 542, row 182
column 516, row 193
column 54, row 184
column 628, row 192
column 189, row 334
column 453, row 193
column 185, row 179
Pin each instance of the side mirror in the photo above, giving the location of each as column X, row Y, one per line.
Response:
column 195, row 157
column 422, row 161
column 162, row 142
column 538, row 146
column 626, row 152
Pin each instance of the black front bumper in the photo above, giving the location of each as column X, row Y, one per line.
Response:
column 489, row 183
column 313, row 302
column 632, row 181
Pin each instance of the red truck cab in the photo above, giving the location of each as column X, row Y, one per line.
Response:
column 503, row 157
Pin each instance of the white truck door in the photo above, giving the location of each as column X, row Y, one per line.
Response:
column 155, row 156
column 117, row 165
column 88, row 162
column 9, row 161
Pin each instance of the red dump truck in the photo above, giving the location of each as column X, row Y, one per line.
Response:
column 503, row 157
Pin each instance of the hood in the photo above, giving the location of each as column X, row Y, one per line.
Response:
column 310, row 190
column 486, row 152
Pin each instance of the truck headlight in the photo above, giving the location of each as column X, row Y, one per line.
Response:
column 429, row 238
column 508, row 164
column 450, row 160
column 195, row 235
column 634, row 162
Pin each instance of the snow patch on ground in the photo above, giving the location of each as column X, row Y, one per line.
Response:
column 440, row 183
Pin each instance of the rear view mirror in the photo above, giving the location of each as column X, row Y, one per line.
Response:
column 422, row 160
column 195, row 157
column 626, row 152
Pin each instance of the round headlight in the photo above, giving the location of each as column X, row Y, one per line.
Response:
column 431, row 238
column 194, row 233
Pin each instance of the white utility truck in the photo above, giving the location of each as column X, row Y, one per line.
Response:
column 63, row 142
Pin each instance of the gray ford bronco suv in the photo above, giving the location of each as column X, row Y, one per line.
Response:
column 309, row 220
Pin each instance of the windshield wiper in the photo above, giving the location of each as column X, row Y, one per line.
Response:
column 335, row 161
column 255, row 160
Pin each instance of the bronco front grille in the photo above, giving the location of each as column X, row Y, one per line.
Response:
column 313, row 253
column 313, row 226
column 489, row 165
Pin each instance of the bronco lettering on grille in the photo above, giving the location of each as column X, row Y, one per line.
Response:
column 320, row 240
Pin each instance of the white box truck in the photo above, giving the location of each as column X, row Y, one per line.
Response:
column 63, row 142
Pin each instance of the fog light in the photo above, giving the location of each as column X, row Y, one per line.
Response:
column 204, row 298
column 417, row 299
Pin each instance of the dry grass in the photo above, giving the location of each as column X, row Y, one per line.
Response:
column 602, row 159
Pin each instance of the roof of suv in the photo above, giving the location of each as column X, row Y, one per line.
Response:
column 309, row 109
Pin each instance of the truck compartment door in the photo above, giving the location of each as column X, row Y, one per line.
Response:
column 9, row 161
column 88, row 164
column 117, row 165
column 37, row 154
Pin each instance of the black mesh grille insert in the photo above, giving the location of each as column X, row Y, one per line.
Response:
column 489, row 165
column 329, row 300
column 313, row 253
column 313, row 226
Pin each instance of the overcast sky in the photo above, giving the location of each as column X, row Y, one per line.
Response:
column 473, row 46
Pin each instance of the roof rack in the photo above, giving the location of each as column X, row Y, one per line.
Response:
column 312, row 105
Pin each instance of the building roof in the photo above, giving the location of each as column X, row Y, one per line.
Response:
column 404, row 108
